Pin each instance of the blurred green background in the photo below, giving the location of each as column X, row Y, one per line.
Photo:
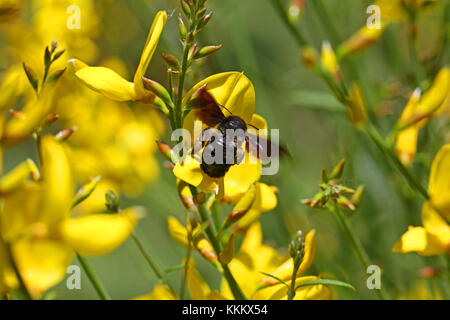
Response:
column 313, row 125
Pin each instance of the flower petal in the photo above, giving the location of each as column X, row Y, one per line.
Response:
column 107, row 82
column 42, row 263
column 57, row 182
column 160, row 292
column 417, row 239
column 99, row 234
column 231, row 89
column 149, row 49
column 437, row 226
column 439, row 184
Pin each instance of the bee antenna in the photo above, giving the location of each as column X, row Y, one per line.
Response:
column 253, row 126
column 224, row 108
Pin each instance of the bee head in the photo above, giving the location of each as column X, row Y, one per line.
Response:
column 232, row 122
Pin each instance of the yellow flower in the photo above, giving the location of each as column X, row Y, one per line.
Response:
column 417, row 112
column 111, row 84
column 236, row 92
column 254, row 257
column 35, row 220
column 8, row 280
column 160, row 292
column 363, row 38
column 329, row 62
column 434, row 237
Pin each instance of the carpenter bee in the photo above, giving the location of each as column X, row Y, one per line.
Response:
column 227, row 135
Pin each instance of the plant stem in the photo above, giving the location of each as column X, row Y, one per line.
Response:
column 356, row 244
column 291, row 292
column 103, row 294
column 149, row 260
column 184, row 67
column 282, row 12
column 211, row 232
column 185, row 271
column 379, row 140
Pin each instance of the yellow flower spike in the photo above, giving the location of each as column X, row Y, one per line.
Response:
column 42, row 263
column 284, row 271
column 439, row 184
column 280, row 291
column 17, row 177
column 432, row 239
column 98, row 234
column 160, row 292
column 358, row 113
column 111, row 84
column 57, row 182
column 329, row 61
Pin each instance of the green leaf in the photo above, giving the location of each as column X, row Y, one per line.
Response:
column 317, row 100
column 327, row 282
column 276, row 278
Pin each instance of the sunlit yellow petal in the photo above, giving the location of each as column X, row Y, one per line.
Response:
column 198, row 288
column 99, row 234
column 149, row 49
column 231, row 89
column 437, row 226
column 280, row 291
column 406, row 144
column 417, row 239
column 439, row 184
column 42, row 263
column 160, row 292
column 107, row 82
column 57, row 186
column 177, row 231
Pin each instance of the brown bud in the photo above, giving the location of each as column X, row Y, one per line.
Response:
column 171, row 61
column 65, row 134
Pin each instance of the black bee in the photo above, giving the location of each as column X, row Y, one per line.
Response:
column 220, row 127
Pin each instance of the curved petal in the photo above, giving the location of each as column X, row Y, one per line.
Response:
column 177, row 231
column 107, row 82
column 280, row 291
column 57, row 182
column 439, row 184
column 437, row 226
column 417, row 239
column 189, row 172
column 160, row 292
column 99, row 234
column 231, row 89
column 42, row 263
column 149, row 48
column 198, row 288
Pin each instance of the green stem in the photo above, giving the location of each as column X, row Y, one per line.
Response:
column 211, row 232
column 149, row 260
column 356, row 245
column 291, row 293
column 98, row 286
column 178, row 106
column 185, row 271
column 324, row 16
column 379, row 140
column 294, row 31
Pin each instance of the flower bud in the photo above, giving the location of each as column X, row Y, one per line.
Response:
column 112, row 202
column 85, row 191
column 31, row 75
column 58, row 54
column 159, row 91
column 295, row 10
column 297, row 248
column 357, row 107
column 192, row 52
column 356, row 197
column 227, row 253
column 344, row 203
column 182, row 28
column 54, row 77
column 186, row 9
column 167, row 152
column 359, row 41
column 204, row 21
column 329, row 62
column 17, row 114
column 206, row 51
column 65, row 134
column 337, row 171
column 171, row 61
column 309, row 57
column 54, row 46
column 52, row 117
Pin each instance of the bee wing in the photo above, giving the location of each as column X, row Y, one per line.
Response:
column 261, row 148
column 208, row 111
